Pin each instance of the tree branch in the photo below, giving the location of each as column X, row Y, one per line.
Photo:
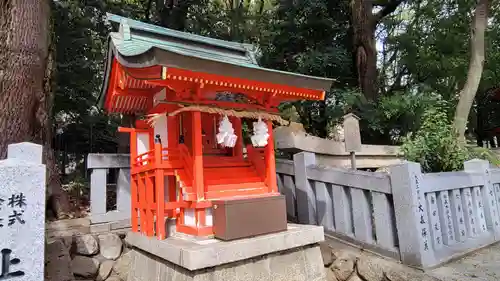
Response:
column 388, row 7
column 396, row 86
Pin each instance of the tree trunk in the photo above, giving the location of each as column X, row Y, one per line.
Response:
column 478, row 29
column 365, row 51
column 364, row 23
column 173, row 13
column 25, row 92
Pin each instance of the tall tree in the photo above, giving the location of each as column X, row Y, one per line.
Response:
column 173, row 13
column 80, row 35
column 25, row 83
column 311, row 37
column 364, row 24
column 467, row 94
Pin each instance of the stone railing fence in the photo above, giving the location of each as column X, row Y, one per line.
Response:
column 354, row 206
column 101, row 218
column 333, row 152
column 423, row 220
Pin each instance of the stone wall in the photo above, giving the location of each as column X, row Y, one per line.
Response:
column 350, row 265
column 328, row 152
column 103, row 257
column 299, row 264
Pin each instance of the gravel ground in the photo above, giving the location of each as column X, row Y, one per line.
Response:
column 481, row 265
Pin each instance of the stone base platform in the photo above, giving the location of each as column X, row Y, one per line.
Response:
column 293, row 255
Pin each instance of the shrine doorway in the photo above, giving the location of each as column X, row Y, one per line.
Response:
column 209, row 130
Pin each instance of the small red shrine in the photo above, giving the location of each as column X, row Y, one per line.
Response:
column 185, row 87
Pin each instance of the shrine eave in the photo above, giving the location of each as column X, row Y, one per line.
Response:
column 173, row 59
column 141, row 45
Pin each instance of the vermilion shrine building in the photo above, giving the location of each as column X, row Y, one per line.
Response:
column 182, row 85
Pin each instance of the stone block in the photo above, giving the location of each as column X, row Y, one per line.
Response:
column 352, row 136
column 85, row 266
column 313, row 257
column 290, row 265
column 26, row 151
column 291, row 255
column 198, row 254
column 116, row 225
column 86, row 245
column 111, row 246
column 58, row 262
column 104, row 270
column 123, row 264
column 22, row 211
column 100, row 227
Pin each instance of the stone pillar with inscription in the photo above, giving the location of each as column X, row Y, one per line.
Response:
column 352, row 137
column 412, row 219
column 488, row 202
column 22, row 213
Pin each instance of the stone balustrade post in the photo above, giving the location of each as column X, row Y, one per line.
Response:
column 412, row 221
column 306, row 199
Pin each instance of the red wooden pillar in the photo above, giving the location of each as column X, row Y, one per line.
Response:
column 173, row 141
column 134, row 178
column 198, row 182
column 135, row 207
column 142, row 202
column 270, row 161
column 148, row 203
column 160, row 192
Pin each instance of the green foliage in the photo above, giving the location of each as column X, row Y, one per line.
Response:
column 239, row 20
column 312, row 37
column 389, row 119
column 423, row 59
column 485, row 154
column 80, row 42
column 426, row 48
column 435, row 145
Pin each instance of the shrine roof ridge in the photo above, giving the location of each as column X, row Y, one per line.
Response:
column 178, row 34
column 151, row 36
column 133, row 45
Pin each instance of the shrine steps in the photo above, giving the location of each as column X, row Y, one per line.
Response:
column 223, row 182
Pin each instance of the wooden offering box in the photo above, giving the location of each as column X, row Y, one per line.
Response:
column 243, row 218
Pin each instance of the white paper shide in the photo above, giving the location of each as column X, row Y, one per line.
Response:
column 226, row 136
column 260, row 134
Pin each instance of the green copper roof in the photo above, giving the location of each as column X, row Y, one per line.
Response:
column 138, row 44
column 140, row 37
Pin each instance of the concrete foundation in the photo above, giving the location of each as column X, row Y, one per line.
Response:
column 290, row 255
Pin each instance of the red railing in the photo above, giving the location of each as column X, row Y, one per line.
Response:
column 170, row 154
column 187, row 162
column 144, row 159
column 149, row 158
column 257, row 157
